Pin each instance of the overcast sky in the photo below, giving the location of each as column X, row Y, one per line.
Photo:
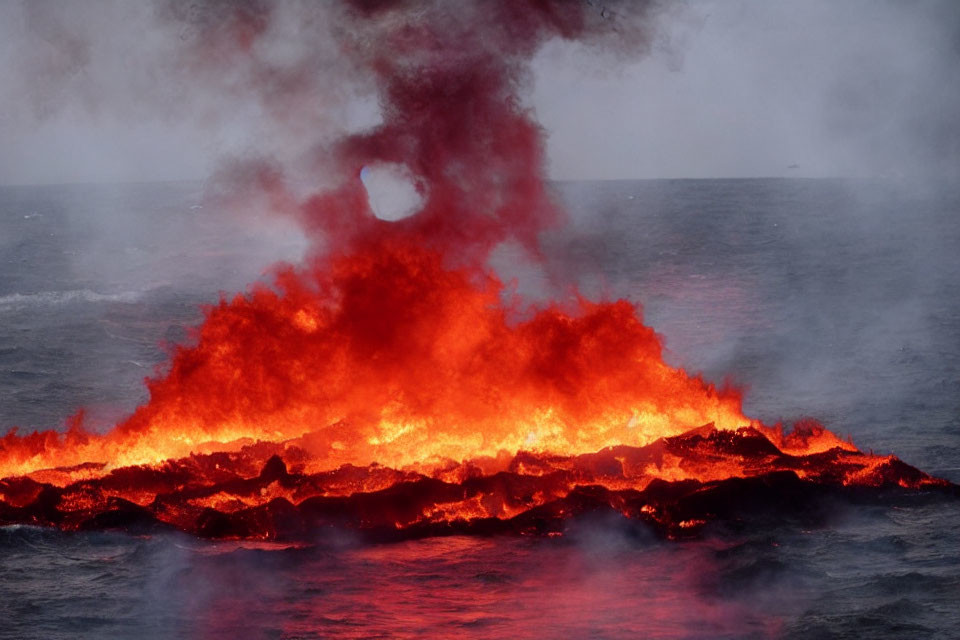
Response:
column 733, row 88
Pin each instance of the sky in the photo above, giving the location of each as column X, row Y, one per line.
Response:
column 92, row 91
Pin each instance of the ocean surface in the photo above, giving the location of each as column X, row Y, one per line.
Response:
column 838, row 300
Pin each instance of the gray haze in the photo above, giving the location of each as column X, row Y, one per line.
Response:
column 98, row 90
column 751, row 87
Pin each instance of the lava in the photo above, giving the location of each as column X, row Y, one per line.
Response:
column 675, row 485
column 390, row 385
column 388, row 356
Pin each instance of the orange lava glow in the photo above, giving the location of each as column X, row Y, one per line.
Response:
column 388, row 356
column 386, row 389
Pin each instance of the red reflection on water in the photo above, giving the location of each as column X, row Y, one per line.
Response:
column 475, row 588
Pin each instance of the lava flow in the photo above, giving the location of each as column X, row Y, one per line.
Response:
column 390, row 384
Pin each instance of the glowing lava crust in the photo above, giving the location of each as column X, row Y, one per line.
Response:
column 676, row 485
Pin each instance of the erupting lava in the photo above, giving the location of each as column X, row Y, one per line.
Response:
column 388, row 384
column 388, row 356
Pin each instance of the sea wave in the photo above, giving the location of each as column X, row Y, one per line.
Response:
column 57, row 298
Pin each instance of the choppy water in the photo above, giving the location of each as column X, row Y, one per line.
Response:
column 838, row 300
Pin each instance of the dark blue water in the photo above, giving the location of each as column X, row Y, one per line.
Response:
column 832, row 299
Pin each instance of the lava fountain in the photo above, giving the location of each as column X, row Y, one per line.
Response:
column 389, row 384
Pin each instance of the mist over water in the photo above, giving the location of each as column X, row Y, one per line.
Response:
column 792, row 288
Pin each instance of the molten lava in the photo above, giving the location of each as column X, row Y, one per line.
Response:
column 387, row 356
column 383, row 391
column 390, row 384
column 676, row 485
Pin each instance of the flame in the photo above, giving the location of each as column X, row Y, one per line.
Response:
column 390, row 356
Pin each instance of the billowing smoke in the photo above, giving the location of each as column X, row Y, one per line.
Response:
column 433, row 89
column 448, row 79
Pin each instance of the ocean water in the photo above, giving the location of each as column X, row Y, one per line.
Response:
column 834, row 299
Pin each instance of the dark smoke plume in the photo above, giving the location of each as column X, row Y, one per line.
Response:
column 448, row 77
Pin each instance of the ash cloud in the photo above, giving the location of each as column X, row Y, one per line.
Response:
column 289, row 99
column 448, row 81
